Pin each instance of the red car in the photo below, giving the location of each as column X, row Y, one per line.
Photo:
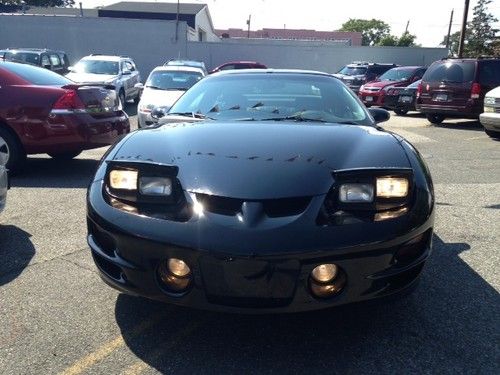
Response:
column 239, row 65
column 373, row 93
column 43, row 112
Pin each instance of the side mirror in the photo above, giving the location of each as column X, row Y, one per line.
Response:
column 159, row 112
column 126, row 72
column 379, row 114
column 139, row 86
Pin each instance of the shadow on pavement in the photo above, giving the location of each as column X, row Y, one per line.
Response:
column 460, row 125
column 50, row 173
column 131, row 109
column 449, row 324
column 16, row 251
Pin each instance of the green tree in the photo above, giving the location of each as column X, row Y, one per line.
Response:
column 372, row 30
column 388, row 40
column 482, row 33
column 406, row 40
column 40, row 3
column 480, row 36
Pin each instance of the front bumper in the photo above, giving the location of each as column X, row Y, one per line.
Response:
column 128, row 249
column 144, row 119
column 471, row 110
column 490, row 121
column 372, row 98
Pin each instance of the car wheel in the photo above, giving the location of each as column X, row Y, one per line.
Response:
column 123, row 101
column 65, row 155
column 492, row 134
column 11, row 151
column 435, row 119
column 400, row 112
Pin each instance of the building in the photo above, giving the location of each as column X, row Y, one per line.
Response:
column 351, row 38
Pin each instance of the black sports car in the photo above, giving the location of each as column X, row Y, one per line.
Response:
column 262, row 191
column 402, row 99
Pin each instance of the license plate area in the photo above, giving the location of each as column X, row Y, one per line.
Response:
column 440, row 97
column 405, row 99
column 369, row 98
column 248, row 282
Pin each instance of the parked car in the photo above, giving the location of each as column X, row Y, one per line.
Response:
column 119, row 71
column 358, row 73
column 4, row 178
column 2, row 53
column 373, row 93
column 163, row 87
column 278, row 192
column 456, row 88
column 402, row 99
column 191, row 63
column 490, row 118
column 44, row 112
column 54, row 60
column 231, row 65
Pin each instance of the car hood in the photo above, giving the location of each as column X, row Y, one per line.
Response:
column 382, row 84
column 160, row 97
column 90, row 78
column 259, row 160
column 494, row 93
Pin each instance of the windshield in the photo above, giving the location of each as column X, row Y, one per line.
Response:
column 172, row 80
column 97, row 67
column 396, row 75
column 353, row 71
column 451, row 71
column 252, row 96
column 29, row 57
column 36, row 75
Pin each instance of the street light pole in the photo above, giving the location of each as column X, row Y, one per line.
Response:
column 449, row 31
column 177, row 22
column 464, row 28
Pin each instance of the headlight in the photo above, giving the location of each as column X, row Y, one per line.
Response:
column 356, row 193
column 146, row 107
column 362, row 88
column 123, row 179
column 392, row 187
column 158, row 186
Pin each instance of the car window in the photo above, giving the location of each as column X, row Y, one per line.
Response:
column 489, row 73
column 97, row 67
column 451, row 71
column 396, row 75
column 36, row 75
column 45, row 60
column 353, row 71
column 29, row 57
column 228, row 67
column 256, row 96
column 172, row 80
column 129, row 66
column 419, row 73
column 54, row 59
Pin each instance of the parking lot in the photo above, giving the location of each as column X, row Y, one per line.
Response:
column 59, row 317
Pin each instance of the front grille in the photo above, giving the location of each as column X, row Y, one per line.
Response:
column 372, row 89
column 273, row 208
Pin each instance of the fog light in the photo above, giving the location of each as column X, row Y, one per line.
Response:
column 324, row 273
column 178, row 267
column 175, row 275
column 327, row 280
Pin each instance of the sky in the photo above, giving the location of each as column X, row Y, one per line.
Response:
column 429, row 19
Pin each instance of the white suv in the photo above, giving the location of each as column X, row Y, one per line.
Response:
column 119, row 71
column 490, row 118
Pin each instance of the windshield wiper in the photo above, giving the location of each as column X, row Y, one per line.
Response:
column 298, row 117
column 176, row 89
column 190, row 114
column 154, row 87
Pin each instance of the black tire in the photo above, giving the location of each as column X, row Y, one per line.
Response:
column 400, row 112
column 123, row 100
column 434, row 118
column 492, row 134
column 65, row 155
column 15, row 154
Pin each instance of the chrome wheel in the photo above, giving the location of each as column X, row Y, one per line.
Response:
column 4, row 151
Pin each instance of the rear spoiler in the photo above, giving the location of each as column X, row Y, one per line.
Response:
column 76, row 86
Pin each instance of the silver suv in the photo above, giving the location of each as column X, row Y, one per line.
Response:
column 119, row 71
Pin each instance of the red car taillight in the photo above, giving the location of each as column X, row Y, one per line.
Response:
column 69, row 101
column 419, row 90
column 475, row 91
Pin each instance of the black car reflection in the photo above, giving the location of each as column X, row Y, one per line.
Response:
column 262, row 191
column 402, row 99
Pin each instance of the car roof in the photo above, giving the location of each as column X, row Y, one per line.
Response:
column 34, row 50
column 106, row 57
column 185, row 62
column 178, row 68
column 270, row 71
column 407, row 67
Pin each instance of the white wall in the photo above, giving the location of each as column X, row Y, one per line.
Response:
column 204, row 22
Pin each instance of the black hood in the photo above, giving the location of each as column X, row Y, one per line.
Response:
column 259, row 160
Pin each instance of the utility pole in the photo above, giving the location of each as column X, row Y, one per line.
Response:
column 407, row 24
column 464, row 28
column 248, row 23
column 177, row 22
column 449, row 31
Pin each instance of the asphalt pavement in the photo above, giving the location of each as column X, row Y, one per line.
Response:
column 58, row 317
